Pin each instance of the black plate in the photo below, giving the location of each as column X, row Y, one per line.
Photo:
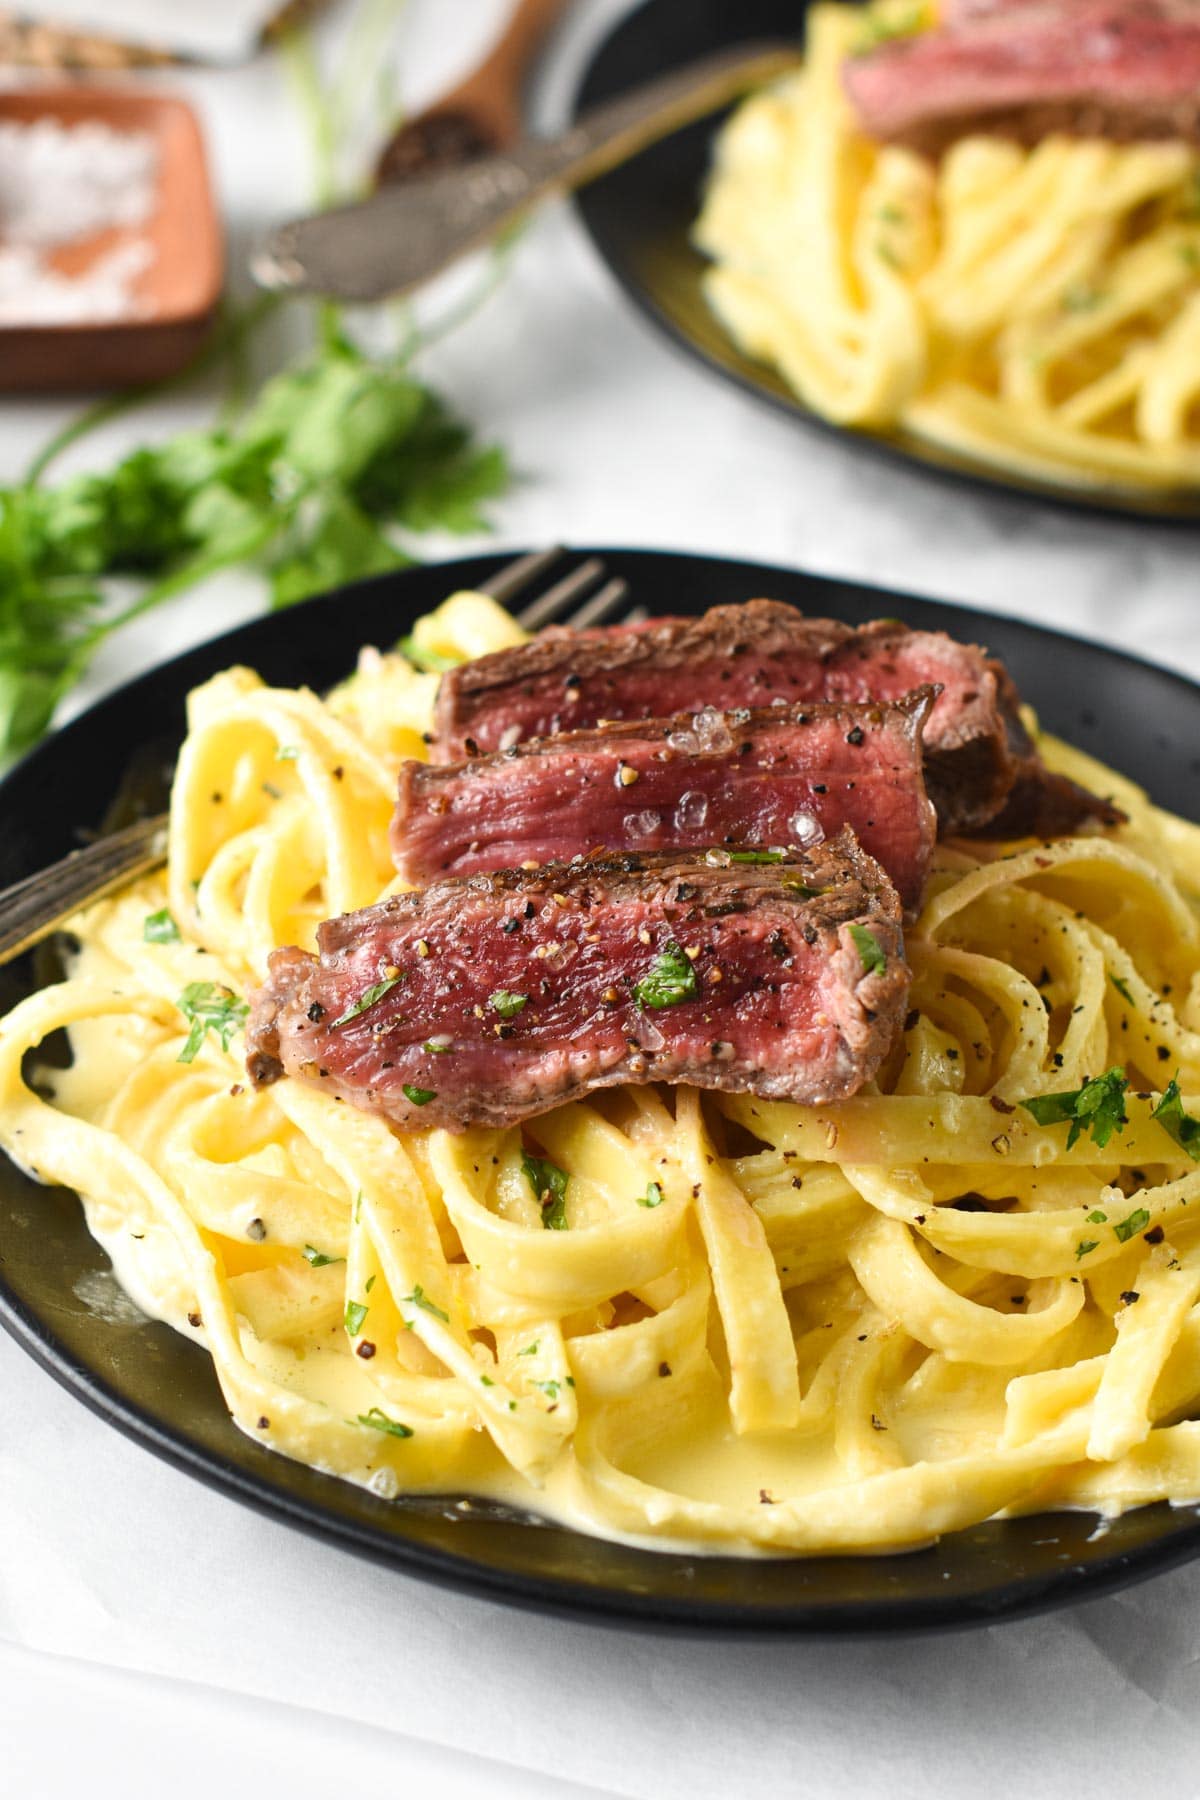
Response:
column 161, row 1390
column 640, row 217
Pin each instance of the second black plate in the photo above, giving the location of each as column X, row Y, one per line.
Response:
column 160, row 1389
column 641, row 215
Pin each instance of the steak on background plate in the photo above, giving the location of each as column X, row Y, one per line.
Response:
column 1124, row 69
column 765, row 776
column 489, row 999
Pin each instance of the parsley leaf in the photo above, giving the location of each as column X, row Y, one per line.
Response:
column 870, row 950
column 379, row 1421
column 209, row 1007
column 1137, row 1221
column 159, row 928
column 506, row 1004
column 1175, row 1122
column 1122, row 988
column 316, row 1259
column 420, row 1298
column 1098, row 1106
column 653, row 1196
column 668, row 981
column 418, row 1096
column 355, row 1317
column 756, row 856
column 368, row 998
column 1085, row 1246
column 429, row 661
column 307, row 486
column 549, row 1184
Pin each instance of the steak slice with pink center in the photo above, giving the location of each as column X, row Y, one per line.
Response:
column 1124, row 69
column 490, row 999
column 761, row 653
column 766, row 776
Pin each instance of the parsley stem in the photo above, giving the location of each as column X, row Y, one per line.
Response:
column 230, row 336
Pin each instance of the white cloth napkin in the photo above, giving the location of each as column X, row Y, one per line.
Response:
column 210, row 30
column 111, row 1556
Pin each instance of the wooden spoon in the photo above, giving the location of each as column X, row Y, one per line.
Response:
column 483, row 113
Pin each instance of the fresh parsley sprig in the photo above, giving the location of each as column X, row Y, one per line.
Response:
column 669, row 981
column 1177, row 1123
column 1098, row 1106
column 209, row 1006
column 549, row 1184
column 871, row 952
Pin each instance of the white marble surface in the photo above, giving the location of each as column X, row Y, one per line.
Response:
column 209, row 1640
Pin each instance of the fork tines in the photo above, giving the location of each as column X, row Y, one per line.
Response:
column 584, row 589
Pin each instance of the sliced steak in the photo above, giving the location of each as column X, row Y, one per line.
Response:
column 765, row 776
column 1124, row 69
column 1039, row 803
column 757, row 654
column 490, row 999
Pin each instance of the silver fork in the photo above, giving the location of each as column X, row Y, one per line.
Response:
column 31, row 909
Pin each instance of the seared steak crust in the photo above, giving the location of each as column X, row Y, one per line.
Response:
column 764, row 776
column 754, row 655
column 493, row 998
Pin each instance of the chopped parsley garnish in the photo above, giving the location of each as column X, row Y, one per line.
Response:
column 432, row 1047
column 549, row 1184
column 669, row 981
column 549, row 1388
column 506, row 1004
column 356, row 1314
column 418, row 1096
column 879, row 28
column 420, row 1298
column 1122, row 988
column 801, row 888
column 530, row 1349
column 317, row 1259
column 870, row 950
column 287, row 753
column 1175, row 1122
column 159, row 928
column 1098, row 1106
column 1137, row 1221
column 369, row 998
column 653, row 1195
column 209, row 1006
column 379, row 1421
column 1097, row 1218
column 756, row 856
column 1085, row 1247
column 430, row 662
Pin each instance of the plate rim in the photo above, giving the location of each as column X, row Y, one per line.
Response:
column 1116, row 506
column 567, row 1598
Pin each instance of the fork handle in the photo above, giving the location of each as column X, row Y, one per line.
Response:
column 404, row 234
column 31, row 909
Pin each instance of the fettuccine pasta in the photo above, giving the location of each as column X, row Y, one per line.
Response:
column 754, row 1326
column 1038, row 309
